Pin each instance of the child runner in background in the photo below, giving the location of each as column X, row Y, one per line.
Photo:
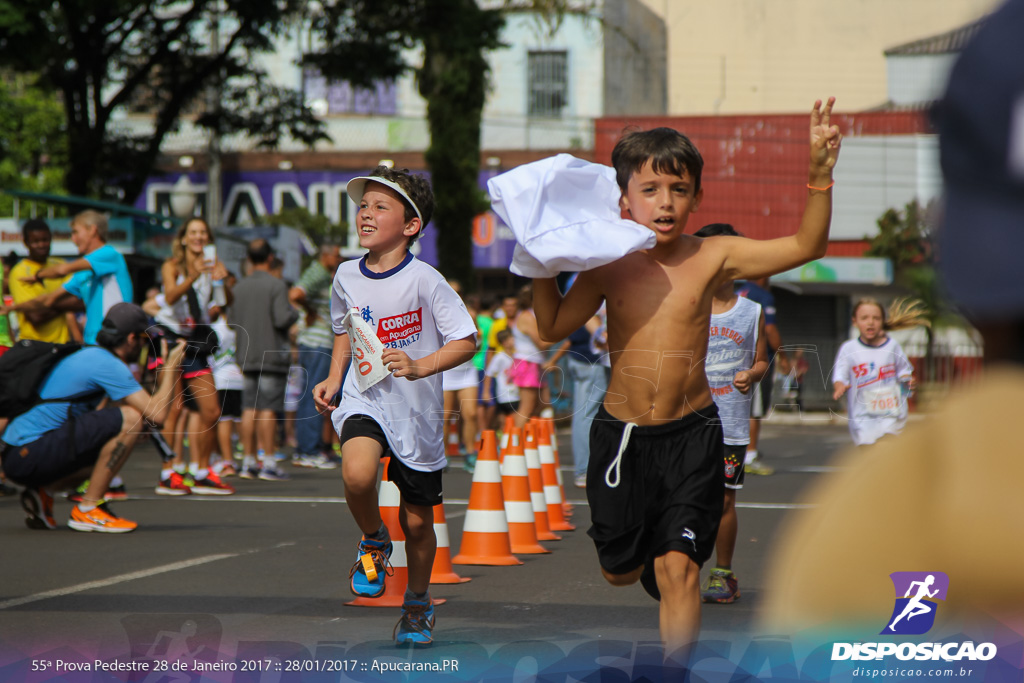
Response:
column 528, row 373
column 737, row 360
column 461, row 387
column 425, row 329
column 874, row 372
column 228, row 378
column 498, row 384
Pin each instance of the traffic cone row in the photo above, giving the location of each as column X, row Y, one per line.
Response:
column 513, row 504
column 529, row 493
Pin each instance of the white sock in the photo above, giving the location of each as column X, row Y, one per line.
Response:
column 750, row 457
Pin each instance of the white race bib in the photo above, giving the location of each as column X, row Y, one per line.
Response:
column 366, row 351
column 883, row 402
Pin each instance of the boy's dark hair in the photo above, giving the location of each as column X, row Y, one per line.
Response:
column 668, row 150
column 503, row 335
column 259, row 251
column 715, row 229
column 33, row 225
column 418, row 189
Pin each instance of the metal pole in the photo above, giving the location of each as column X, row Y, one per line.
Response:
column 213, row 174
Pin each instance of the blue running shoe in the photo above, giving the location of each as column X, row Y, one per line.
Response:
column 416, row 627
column 371, row 567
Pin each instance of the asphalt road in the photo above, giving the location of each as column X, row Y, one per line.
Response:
column 259, row 580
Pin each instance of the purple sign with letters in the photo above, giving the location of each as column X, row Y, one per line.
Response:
column 251, row 195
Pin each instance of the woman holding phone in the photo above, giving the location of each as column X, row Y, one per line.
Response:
column 192, row 282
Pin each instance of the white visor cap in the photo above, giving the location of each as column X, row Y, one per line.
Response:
column 357, row 186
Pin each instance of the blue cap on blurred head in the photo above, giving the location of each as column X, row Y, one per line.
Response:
column 981, row 140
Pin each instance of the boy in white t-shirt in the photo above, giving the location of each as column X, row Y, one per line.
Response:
column 737, row 360
column 424, row 329
column 498, row 382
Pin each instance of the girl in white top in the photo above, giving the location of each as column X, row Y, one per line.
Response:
column 530, row 361
column 190, row 268
column 873, row 371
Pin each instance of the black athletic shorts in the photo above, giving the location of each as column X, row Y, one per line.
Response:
column 669, row 493
column 508, row 408
column 230, row 404
column 61, row 452
column 735, row 456
column 416, row 487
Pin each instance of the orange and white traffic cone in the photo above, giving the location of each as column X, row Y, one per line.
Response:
column 540, row 506
column 515, row 483
column 510, row 424
column 443, row 572
column 566, row 505
column 485, row 538
column 389, row 499
column 549, row 477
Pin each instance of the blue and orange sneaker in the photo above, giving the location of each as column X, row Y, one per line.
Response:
column 416, row 627
column 721, row 587
column 372, row 566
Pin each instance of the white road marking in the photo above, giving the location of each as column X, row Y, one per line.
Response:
column 114, row 580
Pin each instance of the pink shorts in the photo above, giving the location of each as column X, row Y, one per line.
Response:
column 525, row 374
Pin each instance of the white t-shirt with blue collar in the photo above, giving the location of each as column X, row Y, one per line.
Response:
column 412, row 309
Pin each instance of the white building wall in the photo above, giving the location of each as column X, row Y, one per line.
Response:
column 878, row 173
column 917, row 78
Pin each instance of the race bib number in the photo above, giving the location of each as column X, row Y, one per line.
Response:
column 883, row 402
column 367, row 364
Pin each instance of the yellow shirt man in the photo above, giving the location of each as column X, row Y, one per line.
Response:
column 53, row 330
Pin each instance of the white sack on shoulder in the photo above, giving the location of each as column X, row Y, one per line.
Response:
column 564, row 213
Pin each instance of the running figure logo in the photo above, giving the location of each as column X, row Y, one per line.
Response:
column 914, row 613
column 366, row 314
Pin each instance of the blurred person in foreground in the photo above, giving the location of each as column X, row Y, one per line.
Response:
column 944, row 495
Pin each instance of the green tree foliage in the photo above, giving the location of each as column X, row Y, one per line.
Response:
column 905, row 238
column 453, row 37
column 155, row 56
column 33, row 147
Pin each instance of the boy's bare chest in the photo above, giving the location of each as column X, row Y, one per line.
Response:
column 651, row 294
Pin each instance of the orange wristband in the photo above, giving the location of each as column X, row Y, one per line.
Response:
column 821, row 189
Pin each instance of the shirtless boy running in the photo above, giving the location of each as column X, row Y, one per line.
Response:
column 655, row 480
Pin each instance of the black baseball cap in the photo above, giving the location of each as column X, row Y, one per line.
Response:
column 124, row 318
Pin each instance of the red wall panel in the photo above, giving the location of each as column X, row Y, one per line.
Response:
column 755, row 166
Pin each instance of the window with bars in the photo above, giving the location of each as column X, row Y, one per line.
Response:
column 548, row 79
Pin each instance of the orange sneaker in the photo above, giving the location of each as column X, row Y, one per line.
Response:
column 38, row 507
column 101, row 519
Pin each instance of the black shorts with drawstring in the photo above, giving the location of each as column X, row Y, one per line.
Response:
column 666, row 493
